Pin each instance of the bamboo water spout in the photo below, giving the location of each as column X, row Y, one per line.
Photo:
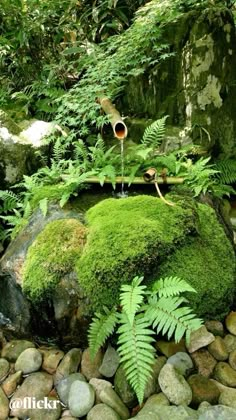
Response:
column 119, row 128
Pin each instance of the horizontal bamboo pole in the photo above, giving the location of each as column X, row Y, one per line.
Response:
column 137, row 180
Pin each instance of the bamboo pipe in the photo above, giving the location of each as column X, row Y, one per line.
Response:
column 171, row 180
column 119, row 128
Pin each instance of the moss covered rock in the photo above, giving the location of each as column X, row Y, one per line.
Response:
column 52, row 255
column 207, row 262
column 127, row 238
column 135, row 236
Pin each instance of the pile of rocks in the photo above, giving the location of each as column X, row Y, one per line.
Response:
column 193, row 382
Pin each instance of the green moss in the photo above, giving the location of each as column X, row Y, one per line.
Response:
column 51, row 192
column 126, row 238
column 207, row 262
column 52, row 255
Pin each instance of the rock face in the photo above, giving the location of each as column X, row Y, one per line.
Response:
column 18, row 147
column 194, row 86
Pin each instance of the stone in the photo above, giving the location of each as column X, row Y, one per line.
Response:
column 151, row 405
column 46, row 413
column 110, row 362
column 102, row 411
column 81, row 398
column 203, row 390
column 37, row 385
column 218, row 349
column 4, row 368
column 90, row 368
column 10, row 384
column 174, row 386
column 169, row 348
column 218, row 412
column 12, row 350
column 109, row 396
column 200, row 338
column 204, row 362
column 99, row 385
column 230, row 322
column 225, row 374
column 228, row 397
column 69, row 364
column 51, row 359
column 161, row 412
column 63, row 386
column 4, row 405
column 215, row 327
column 182, row 363
column 230, row 342
column 232, row 359
column 203, row 406
column 30, row 360
column 123, row 388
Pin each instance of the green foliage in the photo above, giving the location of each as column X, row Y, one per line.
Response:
column 154, row 133
column 100, row 329
column 142, row 314
column 226, row 171
column 48, row 260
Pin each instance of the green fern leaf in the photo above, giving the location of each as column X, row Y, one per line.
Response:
column 131, row 297
column 136, row 352
column 171, row 286
column 10, row 200
column 43, row 205
column 101, row 327
column 154, row 134
column 169, row 317
column 227, row 171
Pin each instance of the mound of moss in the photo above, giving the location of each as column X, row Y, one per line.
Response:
column 52, row 255
column 207, row 262
column 126, row 238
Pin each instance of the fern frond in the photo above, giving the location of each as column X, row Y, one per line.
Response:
column 81, row 151
column 136, row 352
column 131, row 297
column 43, row 205
column 10, row 200
column 227, row 171
column 153, row 135
column 58, row 151
column 101, row 327
column 169, row 317
column 171, row 286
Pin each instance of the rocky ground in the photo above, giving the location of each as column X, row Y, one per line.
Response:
column 193, row 382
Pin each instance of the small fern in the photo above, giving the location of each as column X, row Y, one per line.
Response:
column 144, row 313
column 227, row 171
column 154, row 133
column 101, row 327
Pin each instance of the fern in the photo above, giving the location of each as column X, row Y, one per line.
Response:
column 131, row 297
column 154, row 134
column 227, row 171
column 101, row 327
column 163, row 311
column 136, row 351
column 10, row 201
column 171, row 286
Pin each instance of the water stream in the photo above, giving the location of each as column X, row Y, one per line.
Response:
column 123, row 193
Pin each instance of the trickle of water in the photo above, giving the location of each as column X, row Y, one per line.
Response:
column 122, row 194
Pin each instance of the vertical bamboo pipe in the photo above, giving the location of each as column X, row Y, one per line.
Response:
column 119, row 128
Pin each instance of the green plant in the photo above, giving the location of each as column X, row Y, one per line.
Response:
column 143, row 313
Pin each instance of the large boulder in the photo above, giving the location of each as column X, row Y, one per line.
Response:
column 19, row 144
column 68, row 267
column 195, row 86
